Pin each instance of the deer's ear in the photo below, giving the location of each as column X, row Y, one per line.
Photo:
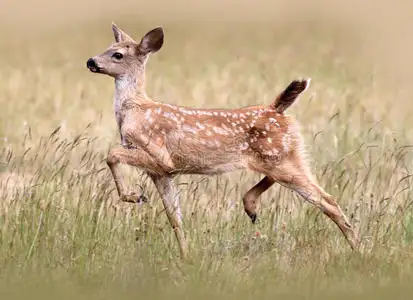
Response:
column 152, row 41
column 120, row 35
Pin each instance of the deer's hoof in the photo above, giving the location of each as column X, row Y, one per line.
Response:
column 142, row 198
column 134, row 198
column 253, row 218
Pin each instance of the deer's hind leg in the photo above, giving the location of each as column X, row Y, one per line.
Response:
column 251, row 197
column 293, row 173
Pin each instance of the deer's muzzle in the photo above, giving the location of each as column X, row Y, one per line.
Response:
column 92, row 66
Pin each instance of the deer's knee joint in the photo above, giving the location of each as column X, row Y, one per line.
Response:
column 249, row 198
column 112, row 158
column 249, row 202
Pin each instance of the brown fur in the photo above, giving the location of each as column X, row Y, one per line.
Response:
column 166, row 140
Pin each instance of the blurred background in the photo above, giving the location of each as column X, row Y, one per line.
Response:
column 264, row 44
column 63, row 231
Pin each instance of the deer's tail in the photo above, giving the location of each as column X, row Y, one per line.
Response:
column 289, row 95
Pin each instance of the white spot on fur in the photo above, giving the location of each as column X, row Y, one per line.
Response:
column 274, row 121
column 219, row 130
column 188, row 128
column 244, row 146
column 286, row 141
column 229, row 130
column 148, row 114
column 272, row 152
column 269, row 140
column 171, row 116
column 199, row 125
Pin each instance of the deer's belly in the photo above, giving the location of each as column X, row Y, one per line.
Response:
column 208, row 169
column 213, row 161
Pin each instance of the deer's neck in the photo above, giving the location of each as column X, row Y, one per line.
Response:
column 128, row 88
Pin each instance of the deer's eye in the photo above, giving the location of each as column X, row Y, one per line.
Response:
column 117, row 55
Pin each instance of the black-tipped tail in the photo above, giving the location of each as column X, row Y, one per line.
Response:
column 288, row 96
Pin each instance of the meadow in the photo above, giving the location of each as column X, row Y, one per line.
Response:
column 63, row 232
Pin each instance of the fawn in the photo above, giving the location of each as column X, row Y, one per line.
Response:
column 165, row 140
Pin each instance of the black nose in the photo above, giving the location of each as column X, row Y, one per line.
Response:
column 91, row 64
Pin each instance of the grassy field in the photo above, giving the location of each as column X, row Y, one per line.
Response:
column 64, row 234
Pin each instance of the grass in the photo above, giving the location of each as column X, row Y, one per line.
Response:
column 63, row 232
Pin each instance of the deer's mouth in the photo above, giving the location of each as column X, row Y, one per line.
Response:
column 94, row 69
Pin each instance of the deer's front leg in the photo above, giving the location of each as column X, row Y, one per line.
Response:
column 170, row 198
column 134, row 157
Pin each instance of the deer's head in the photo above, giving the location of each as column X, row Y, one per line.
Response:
column 126, row 56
